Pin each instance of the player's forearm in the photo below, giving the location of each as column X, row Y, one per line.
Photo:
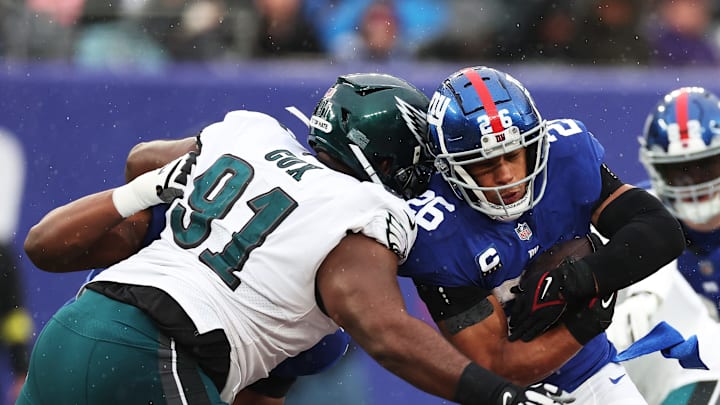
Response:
column 359, row 289
column 412, row 350
column 68, row 232
column 526, row 363
column 151, row 155
column 521, row 362
column 406, row 346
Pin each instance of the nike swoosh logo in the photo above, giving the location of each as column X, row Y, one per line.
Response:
column 507, row 397
column 616, row 380
column 548, row 281
column 606, row 302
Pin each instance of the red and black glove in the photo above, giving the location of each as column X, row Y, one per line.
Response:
column 542, row 297
column 590, row 319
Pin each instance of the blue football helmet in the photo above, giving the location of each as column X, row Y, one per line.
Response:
column 680, row 150
column 478, row 114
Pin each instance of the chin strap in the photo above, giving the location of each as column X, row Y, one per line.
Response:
column 367, row 167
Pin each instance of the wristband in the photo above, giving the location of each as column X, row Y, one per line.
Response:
column 127, row 202
column 478, row 386
column 146, row 190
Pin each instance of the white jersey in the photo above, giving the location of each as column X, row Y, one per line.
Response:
column 241, row 250
column 665, row 296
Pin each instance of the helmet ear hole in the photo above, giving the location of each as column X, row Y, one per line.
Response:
column 385, row 165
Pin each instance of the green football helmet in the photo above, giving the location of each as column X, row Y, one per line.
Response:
column 374, row 124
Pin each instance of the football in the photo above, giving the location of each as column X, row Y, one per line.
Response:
column 576, row 248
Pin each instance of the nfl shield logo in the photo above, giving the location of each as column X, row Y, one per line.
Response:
column 523, row 231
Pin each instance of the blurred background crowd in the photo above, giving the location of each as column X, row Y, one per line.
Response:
column 149, row 34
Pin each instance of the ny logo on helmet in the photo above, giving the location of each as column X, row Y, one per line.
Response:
column 436, row 110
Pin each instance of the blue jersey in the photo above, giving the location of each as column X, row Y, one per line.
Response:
column 700, row 264
column 458, row 246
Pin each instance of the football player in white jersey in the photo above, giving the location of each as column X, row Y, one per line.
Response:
column 267, row 249
column 680, row 149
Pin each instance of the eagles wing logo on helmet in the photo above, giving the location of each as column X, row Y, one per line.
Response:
column 414, row 118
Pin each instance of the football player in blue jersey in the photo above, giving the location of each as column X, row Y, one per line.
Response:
column 350, row 136
column 681, row 153
column 510, row 186
column 680, row 150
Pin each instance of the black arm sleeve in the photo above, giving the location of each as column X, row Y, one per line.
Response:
column 643, row 237
column 446, row 302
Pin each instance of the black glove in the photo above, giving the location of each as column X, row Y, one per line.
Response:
column 541, row 297
column 536, row 394
column 177, row 176
column 590, row 320
column 478, row 385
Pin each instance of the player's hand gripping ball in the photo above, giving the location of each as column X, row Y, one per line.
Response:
column 539, row 300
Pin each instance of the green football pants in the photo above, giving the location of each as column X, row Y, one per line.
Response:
column 697, row 393
column 99, row 351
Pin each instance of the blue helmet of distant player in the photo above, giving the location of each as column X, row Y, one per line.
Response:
column 478, row 114
column 680, row 149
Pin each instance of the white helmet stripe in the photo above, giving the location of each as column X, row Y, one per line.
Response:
column 365, row 163
column 436, row 113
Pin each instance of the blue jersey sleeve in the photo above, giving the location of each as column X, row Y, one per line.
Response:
column 574, row 163
column 157, row 224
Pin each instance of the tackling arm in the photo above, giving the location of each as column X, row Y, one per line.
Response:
column 84, row 234
column 357, row 283
column 359, row 290
column 89, row 232
column 147, row 156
